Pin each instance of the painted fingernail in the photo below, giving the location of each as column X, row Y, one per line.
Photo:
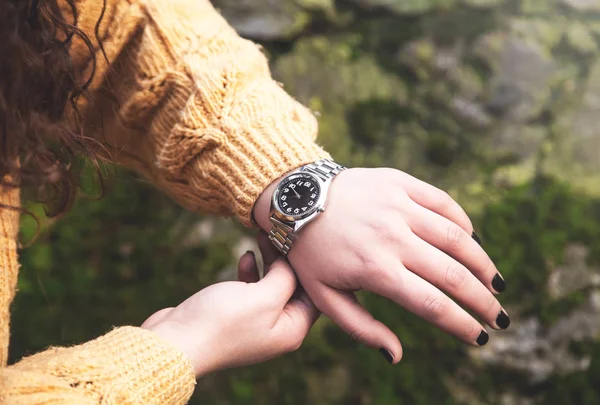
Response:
column 483, row 338
column 503, row 321
column 498, row 283
column 477, row 239
column 387, row 355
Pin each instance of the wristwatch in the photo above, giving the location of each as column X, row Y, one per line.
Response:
column 298, row 199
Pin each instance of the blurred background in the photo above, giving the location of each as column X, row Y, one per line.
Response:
column 496, row 101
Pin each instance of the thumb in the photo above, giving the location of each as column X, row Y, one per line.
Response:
column 344, row 309
column 297, row 318
column 279, row 282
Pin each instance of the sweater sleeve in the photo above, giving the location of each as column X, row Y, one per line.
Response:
column 126, row 366
column 192, row 105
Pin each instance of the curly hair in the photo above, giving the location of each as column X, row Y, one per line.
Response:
column 40, row 127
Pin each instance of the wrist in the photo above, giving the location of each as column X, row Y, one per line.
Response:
column 262, row 207
column 188, row 345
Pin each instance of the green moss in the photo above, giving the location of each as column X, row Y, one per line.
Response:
column 543, row 217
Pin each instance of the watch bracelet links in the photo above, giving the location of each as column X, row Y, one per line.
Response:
column 281, row 234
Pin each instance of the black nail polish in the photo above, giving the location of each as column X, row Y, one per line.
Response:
column 388, row 356
column 503, row 321
column 477, row 239
column 483, row 338
column 498, row 283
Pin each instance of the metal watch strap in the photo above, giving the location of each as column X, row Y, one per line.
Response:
column 282, row 234
column 324, row 169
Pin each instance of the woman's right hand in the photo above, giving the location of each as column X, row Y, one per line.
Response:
column 238, row 323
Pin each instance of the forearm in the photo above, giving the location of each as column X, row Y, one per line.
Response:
column 199, row 113
column 128, row 365
column 260, row 212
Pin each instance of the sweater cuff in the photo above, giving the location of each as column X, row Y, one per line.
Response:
column 241, row 171
column 234, row 164
column 127, row 365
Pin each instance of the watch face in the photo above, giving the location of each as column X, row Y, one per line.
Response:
column 298, row 195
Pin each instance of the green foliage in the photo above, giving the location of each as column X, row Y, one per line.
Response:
column 526, row 234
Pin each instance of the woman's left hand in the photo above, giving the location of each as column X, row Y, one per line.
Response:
column 238, row 323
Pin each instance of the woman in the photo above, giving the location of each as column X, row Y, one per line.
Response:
column 169, row 89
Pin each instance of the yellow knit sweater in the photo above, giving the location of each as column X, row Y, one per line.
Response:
column 198, row 114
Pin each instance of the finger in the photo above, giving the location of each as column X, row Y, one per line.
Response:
column 298, row 316
column 280, row 282
column 157, row 317
column 423, row 299
column 437, row 201
column 267, row 250
column 453, row 240
column 344, row 309
column 247, row 268
column 449, row 275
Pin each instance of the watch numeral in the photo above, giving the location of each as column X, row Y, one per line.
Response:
column 296, row 211
column 311, row 203
column 289, row 209
column 303, row 208
column 283, row 197
column 284, row 204
column 286, row 190
column 292, row 186
column 307, row 184
column 313, row 195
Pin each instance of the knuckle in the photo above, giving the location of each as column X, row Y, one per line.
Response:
column 471, row 332
column 397, row 198
column 455, row 237
column 456, row 277
column 384, row 231
column 435, row 308
column 366, row 261
column 445, row 201
column 357, row 334
column 295, row 344
column 492, row 305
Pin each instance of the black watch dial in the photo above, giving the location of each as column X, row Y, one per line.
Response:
column 298, row 195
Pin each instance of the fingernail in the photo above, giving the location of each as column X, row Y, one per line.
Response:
column 388, row 356
column 477, row 239
column 498, row 283
column 251, row 252
column 483, row 338
column 503, row 321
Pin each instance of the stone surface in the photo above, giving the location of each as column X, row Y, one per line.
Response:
column 583, row 4
column 275, row 19
column 540, row 352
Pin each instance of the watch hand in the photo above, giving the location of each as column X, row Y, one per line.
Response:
column 297, row 195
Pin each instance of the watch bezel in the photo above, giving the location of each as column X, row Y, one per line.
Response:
column 318, row 205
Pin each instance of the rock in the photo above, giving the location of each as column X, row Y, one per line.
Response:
column 583, row 5
column 575, row 274
column 538, row 352
column 521, row 83
column 280, row 19
column 483, row 3
column 402, row 6
column 574, row 156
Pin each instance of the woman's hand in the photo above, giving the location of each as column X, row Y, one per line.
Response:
column 389, row 233
column 238, row 323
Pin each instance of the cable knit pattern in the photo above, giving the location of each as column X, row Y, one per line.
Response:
column 198, row 113
column 9, row 266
